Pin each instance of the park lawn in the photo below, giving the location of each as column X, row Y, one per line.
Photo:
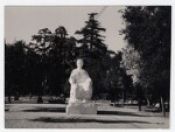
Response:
column 54, row 116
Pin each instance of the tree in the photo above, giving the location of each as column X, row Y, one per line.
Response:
column 33, row 76
column 94, row 52
column 42, row 46
column 148, row 30
column 131, row 61
column 14, row 69
column 91, row 33
column 61, row 56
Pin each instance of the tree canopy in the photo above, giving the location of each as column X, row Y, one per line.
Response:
column 148, row 31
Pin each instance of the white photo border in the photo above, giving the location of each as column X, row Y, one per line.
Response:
column 4, row 3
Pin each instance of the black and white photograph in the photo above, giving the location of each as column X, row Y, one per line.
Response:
column 105, row 66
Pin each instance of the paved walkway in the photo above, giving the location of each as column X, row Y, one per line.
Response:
column 54, row 116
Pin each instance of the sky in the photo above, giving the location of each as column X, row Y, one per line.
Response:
column 21, row 22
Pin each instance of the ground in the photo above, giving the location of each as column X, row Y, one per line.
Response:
column 54, row 116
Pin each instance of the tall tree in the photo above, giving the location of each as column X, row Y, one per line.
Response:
column 91, row 34
column 148, row 30
column 14, row 69
column 56, row 53
column 131, row 61
column 94, row 51
column 61, row 58
column 42, row 46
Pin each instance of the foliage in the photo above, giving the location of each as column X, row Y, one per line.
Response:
column 14, row 68
column 94, row 51
column 148, row 30
column 46, row 62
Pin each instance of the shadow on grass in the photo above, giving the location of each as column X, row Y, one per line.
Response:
column 6, row 109
column 99, row 112
column 75, row 120
column 46, row 110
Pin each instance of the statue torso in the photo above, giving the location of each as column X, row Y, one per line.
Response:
column 79, row 75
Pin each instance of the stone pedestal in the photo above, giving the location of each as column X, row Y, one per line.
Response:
column 81, row 108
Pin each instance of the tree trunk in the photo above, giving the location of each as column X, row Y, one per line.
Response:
column 148, row 102
column 139, row 96
column 9, row 99
column 40, row 99
column 140, row 104
column 16, row 98
column 162, row 106
column 123, row 101
column 124, row 96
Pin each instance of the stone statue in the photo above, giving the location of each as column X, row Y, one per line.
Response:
column 81, row 91
column 81, row 84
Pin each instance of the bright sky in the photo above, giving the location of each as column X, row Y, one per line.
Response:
column 22, row 22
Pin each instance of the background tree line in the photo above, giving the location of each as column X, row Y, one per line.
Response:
column 43, row 66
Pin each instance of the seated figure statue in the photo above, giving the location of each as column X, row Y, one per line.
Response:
column 81, row 84
column 81, row 91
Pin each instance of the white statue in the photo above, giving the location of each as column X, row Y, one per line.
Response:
column 81, row 92
column 81, row 85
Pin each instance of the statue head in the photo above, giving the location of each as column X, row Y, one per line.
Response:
column 80, row 63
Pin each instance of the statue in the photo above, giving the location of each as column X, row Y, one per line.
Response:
column 81, row 85
column 81, row 91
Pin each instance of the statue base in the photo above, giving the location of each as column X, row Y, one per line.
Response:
column 81, row 108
